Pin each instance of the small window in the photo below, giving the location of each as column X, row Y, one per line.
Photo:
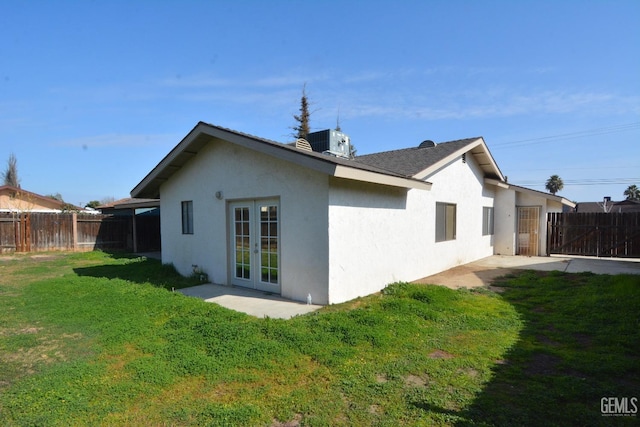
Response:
column 445, row 222
column 187, row 217
column 487, row 221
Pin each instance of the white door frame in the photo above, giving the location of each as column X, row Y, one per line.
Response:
column 254, row 244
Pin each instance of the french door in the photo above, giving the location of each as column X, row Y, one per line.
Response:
column 528, row 226
column 255, row 244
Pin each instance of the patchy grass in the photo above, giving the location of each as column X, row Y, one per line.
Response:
column 580, row 343
column 96, row 339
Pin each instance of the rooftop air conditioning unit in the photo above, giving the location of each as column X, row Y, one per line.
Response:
column 330, row 142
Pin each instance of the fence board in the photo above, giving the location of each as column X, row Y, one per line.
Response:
column 38, row 231
column 594, row 234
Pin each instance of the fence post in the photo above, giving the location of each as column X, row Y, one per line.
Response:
column 16, row 232
column 135, row 232
column 74, row 227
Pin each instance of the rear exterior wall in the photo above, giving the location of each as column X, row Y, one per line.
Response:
column 379, row 235
column 242, row 174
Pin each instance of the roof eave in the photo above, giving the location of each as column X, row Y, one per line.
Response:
column 488, row 164
column 378, row 178
column 548, row 196
column 204, row 133
column 497, row 183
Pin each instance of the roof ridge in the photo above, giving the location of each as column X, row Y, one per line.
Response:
column 422, row 148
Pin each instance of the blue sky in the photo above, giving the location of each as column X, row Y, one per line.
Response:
column 93, row 94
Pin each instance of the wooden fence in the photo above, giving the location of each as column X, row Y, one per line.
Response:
column 35, row 232
column 594, row 234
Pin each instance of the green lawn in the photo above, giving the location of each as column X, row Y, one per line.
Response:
column 99, row 339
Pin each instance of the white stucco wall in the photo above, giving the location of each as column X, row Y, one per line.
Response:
column 507, row 203
column 379, row 235
column 340, row 238
column 505, row 222
column 240, row 174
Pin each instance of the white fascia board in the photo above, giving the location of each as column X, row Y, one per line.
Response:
column 495, row 182
column 377, row 178
column 492, row 161
column 320, row 165
column 167, row 160
column 270, row 149
column 438, row 165
column 284, row 154
column 537, row 193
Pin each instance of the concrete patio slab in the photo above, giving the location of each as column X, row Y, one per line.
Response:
column 483, row 272
column 480, row 273
column 249, row 301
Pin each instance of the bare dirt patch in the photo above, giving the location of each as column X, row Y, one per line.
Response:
column 440, row 354
column 416, row 381
column 295, row 422
column 381, row 378
column 375, row 409
column 44, row 257
column 467, row 276
column 470, row 372
column 543, row 364
column 46, row 351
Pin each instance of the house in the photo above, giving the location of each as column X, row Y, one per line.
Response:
column 294, row 221
column 608, row 206
column 14, row 199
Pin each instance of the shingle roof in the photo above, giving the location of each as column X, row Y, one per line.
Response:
column 622, row 206
column 410, row 161
column 204, row 133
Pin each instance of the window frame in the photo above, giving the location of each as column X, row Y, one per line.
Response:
column 446, row 221
column 488, row 223
column 187, row 216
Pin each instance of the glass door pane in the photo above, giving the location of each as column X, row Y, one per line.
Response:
column 269, row 244
column 242, row 239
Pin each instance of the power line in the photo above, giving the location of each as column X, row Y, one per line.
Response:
column 571, row 135
column 582, row 182
column 580, row 168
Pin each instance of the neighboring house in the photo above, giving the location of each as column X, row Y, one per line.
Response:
column 14, row 199
column 608, row 206
column 280, row 218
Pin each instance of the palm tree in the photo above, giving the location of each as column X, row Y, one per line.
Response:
column 632, row 192
column 554, row 184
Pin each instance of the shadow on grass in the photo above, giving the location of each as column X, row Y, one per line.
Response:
column 139, row 269
column 580, row 343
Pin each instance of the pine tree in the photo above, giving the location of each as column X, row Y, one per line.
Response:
column 302, row 129
column 10, row 175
